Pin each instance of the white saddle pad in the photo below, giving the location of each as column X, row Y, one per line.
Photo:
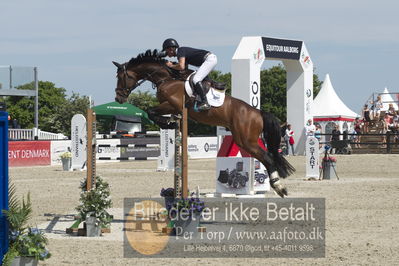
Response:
column 215, row 97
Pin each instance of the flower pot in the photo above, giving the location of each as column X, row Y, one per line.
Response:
column 92, row 227
column 26, row 261
column 66, row 163
column 188, row 226
column 329, row 170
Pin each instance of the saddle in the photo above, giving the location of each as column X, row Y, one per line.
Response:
column 208, row 84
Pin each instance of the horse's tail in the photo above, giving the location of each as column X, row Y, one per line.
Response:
column 272, row 136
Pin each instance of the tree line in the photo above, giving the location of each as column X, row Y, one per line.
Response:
column 56, row 109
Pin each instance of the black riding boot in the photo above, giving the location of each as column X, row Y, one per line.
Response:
column 203, row 105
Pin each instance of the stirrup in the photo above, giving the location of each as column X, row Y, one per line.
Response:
column 198, row 107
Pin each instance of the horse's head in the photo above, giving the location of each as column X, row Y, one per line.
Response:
column 146, row 66
column 126, row 82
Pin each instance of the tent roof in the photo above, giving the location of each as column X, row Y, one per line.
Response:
column 114, row 108
column 386, row 99
column 328, row 104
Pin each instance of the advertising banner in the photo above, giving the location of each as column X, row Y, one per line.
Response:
column 281, row 48
column 109, row 152
column 202, row 147
column 140, row 148
column 261, row 177
column 29, row 153
column 79, row 141
column 58, row 148
column 234, row 175
column 166, row 161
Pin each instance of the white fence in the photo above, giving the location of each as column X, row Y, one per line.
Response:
column 29, row 134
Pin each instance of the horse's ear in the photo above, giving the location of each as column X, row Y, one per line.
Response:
column 117, row 64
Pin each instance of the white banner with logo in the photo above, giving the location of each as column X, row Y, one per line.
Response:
column 58, row 147
column 166, row 161
column 202, row 147
column 78, row 141
column 312, row 157
column 106, row 154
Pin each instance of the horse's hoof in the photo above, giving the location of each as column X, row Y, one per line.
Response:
column 278, row 187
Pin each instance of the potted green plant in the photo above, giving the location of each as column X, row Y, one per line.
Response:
column 66, row 159
column 186, row 214
column 93, row 206
column 27, row 244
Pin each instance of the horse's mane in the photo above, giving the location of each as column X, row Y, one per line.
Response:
column 148, row 56
column 155, row 56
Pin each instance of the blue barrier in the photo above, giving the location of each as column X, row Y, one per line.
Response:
column 3, row 183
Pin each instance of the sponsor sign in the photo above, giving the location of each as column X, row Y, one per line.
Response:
column 79, row 141
column 234, row 175
column 57, row 148
column 202, row 147
column 282, row 49
column 261, row 177
column 108, row 152
column 140, row 148
column 29, row 153
column 312, row 157
column 166, row 160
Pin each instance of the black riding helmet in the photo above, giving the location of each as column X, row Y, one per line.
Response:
column 169, row 43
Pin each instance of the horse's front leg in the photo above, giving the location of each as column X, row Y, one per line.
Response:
column 156, row 115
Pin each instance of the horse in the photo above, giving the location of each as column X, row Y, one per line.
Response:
column 245, row 122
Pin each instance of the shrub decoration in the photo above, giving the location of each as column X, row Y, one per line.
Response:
column 25, row 241
column 95, row 202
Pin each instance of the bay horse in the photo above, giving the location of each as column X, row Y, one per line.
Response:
column 244, row 121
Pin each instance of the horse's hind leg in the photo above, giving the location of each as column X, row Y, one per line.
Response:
column 250, row 144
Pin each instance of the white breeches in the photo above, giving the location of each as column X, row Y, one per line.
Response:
column 205, row 68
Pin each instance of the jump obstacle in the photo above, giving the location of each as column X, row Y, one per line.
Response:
column 91, row 149
column 181, row 156
column 181, row 153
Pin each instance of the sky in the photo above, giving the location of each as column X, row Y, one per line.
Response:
column 73, row 42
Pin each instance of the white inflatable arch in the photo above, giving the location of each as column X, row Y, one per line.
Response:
column 246, row 65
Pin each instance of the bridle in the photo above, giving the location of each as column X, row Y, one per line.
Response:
column 147, row 77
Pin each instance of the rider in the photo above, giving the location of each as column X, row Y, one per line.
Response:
column 204, row 60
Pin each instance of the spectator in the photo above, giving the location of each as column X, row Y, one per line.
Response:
column 353, row 138
column 391, row 110
column 15, row 123
column 358, row 131
column 378, row 106
column 334, row 137
column 345, row 134
column 317, row 134
column 395, row 121
column 372, row 110
column 310, row 128
column 388, row 122
column 289, row 140
column 366, row 118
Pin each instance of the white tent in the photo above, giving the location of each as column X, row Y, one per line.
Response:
column 329, row 110
column 386, row 99
column 327, row 104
